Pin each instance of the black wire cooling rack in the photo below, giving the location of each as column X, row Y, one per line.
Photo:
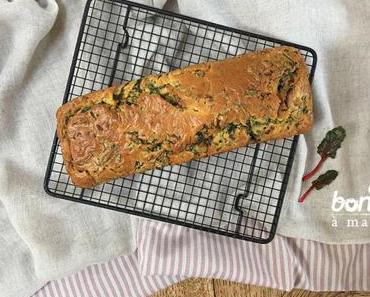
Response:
column 239, row 193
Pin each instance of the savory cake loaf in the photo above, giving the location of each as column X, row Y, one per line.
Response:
column 186, row 114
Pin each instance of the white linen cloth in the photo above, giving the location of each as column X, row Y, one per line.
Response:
column 42, row 238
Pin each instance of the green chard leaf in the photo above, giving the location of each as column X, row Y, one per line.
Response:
column 325, row 179
column 328, row 148
column 332, row 142
column 231, row 128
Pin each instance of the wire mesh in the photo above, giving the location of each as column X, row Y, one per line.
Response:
column 239, row 193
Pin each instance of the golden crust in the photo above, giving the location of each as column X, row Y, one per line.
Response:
column 186, row 114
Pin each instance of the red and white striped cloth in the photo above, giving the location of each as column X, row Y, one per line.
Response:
column 167, row 254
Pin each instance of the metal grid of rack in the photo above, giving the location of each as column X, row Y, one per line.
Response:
column 239, row 193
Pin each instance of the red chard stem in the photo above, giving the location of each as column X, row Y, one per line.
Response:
column 305, row 194
column 308, row 175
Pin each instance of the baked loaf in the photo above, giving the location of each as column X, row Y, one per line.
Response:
column 186, row 114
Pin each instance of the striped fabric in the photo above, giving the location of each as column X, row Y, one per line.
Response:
column 167, row 254
column 285, row 263
column 119, row 277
